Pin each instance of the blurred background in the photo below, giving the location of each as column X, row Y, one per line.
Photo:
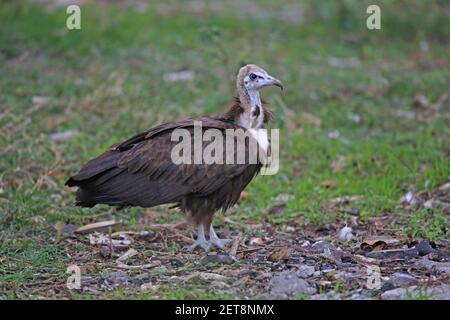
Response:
column 364, row 113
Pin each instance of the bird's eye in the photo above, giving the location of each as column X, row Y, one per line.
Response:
column 253, row 76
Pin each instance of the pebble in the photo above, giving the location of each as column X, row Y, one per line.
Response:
column 218, row 258
column 288, row 284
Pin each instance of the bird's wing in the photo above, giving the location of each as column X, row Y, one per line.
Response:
column 152, row 157
column 140, row 171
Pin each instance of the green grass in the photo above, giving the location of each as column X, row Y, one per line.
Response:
column 106, row 81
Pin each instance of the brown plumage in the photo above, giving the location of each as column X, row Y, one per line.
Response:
column 140, row 170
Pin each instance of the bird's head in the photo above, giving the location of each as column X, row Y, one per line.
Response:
column 253, row 78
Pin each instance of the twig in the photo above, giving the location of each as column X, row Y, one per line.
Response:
column 111, row 247
column 235, row 246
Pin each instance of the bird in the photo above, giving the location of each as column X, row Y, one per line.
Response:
column 140, row 171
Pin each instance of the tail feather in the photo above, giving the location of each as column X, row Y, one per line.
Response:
column 92, row 176
column 89, row 198
column 101, row 164
column 101, row 181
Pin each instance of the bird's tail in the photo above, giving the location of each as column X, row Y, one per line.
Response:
column 92, row 177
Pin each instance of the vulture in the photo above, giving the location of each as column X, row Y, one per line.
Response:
column 141, row 171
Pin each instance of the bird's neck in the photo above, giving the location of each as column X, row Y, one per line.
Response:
column 253, row 113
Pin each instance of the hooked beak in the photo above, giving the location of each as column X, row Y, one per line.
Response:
column 274, row 82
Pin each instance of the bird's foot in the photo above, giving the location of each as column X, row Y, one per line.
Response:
column 200, row 242
column 215, row 240
column 204, row 244
column 219, row 243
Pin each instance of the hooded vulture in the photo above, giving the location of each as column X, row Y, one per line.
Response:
column 141, row 171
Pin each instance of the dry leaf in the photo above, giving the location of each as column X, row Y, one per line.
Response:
column 280, row 254
column 40, row 100
column 311, row 119
column 347, row 62
column 341, row 201
column 433, row 111
column 329, row 184
column 345, row 234
column 277, row 209
column 130, row 233
column 122, row 265
column 235, row 246
column 421, row 102
column 130, row 253
column 149, row 287
column 379, row 243
column 445, row 187
column 353, row 117
column 243, row 195
column 206, row 276
column 338, row 164
column 333, row 134
column 59, row 226
column 103, row 239
column 64, row 136
column 185, row 75
column 37, row 219
column 97, row 226
column 365, row 260
column 256, row 242
column 409, row 199
column 284, row 197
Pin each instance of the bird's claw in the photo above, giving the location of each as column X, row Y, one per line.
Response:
column 205, row 245
column 220, row 243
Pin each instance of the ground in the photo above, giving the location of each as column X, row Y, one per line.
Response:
column 364, row 134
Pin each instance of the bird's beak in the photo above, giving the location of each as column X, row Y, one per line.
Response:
column 274, row 82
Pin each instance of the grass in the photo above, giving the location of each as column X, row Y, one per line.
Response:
column 106, row 82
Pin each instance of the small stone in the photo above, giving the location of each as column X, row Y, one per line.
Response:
column 358, row 296
column 404, row 254
column 305, row 271
column 117, row 277
column 400, row 279
column 295, row 258
column 219, row 284
column 149, row 287
column 326, row 296
column 161, row 269
column 397, row 294
column 321, row 246
column 387, row 286
column 305, row 244
column 176, row 262
column 256, row 241
column 441, row 292
column 433, row 265
column 218, row 258
column 248, row 273
column 69, row 229
column 327, row 269
column 288, row 284
column 424, row 248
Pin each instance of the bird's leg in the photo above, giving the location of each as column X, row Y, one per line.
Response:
column 214, row 239
column 201, row 240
